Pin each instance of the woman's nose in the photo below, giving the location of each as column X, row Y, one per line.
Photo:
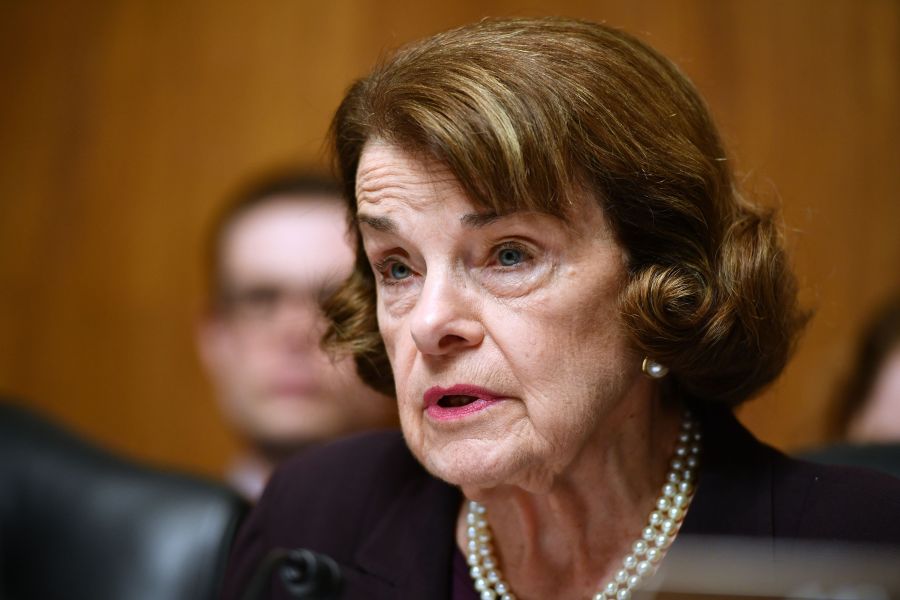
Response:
column 444, row 320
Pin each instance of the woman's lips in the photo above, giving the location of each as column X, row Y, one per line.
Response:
column 457, row 401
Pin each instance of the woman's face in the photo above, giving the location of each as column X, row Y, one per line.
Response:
column 502, row 330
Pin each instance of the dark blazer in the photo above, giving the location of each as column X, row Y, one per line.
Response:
column 366, row 502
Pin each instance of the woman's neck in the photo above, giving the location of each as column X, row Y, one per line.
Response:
column 568, row 541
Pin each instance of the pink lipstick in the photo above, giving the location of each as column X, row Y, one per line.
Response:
column 457, row 401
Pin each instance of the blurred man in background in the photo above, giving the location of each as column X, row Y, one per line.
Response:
column 865, row 421
column 868, row 407
column 275, row 252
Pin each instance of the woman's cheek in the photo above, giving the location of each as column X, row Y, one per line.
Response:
column 391, row 315
column 395, row 301
column 514, row 283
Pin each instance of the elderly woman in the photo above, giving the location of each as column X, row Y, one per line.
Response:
column 559, row 281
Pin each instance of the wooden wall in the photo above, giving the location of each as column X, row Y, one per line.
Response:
column 122, row 124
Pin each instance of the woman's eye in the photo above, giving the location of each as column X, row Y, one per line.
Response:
column 398, row 270
column 391, row 270
column 510, row 257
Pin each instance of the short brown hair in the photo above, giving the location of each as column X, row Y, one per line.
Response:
column 256, row 192
column 526, row 111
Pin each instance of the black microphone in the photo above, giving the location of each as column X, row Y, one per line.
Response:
column 305, row 574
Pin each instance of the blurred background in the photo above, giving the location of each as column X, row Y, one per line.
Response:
column 123, row 125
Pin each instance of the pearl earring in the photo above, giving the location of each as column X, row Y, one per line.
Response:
column 653, row 369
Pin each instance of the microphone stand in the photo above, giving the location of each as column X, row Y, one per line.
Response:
column 305, row 575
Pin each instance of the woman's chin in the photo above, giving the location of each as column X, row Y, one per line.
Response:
column 474, row 464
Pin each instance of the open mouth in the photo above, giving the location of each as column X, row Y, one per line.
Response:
column 456, row 401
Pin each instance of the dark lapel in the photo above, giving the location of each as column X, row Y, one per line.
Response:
column 734, row 490
column 411, row 547
column 733, row 505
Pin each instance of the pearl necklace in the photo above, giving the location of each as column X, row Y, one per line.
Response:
column 646, row 552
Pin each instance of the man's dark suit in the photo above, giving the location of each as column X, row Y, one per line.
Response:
column 366, row 502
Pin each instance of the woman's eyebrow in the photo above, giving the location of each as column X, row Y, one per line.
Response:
column 386, row 225
column 478, row 220
column 383, row 224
